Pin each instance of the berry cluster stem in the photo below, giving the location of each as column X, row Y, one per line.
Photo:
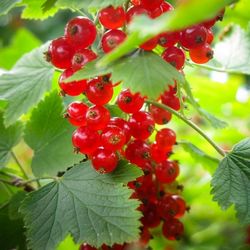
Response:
column 190, row 123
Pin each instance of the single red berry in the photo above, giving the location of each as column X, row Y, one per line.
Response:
column 113, row 137
column 150, row 44
column 168, row 207
column 138, row 152
column 167, row 171
column 164, row 7
column 160, row 116
column 81, row 32
column 142, row 125
column 159, row 154
column 193, row 37
column 165, row 138
column 99, row 91
column 86, row 140
column 145, row 236
column 112, row 18
column 74, row 88
column 85, row 246
column 104, row 160
column 171, row 100
column 60, row 53
column 150, row 217
column 202, row 54
column 175, row 56
column 82, row 57
column 97, row 117
column 168, row 39
column 173, row 229
column 135, row 11
column 76, row 113
column 210, row 36
column 111, row 39
column 128, row 102
column 123, row 125
column 181, row 206
column 151, row 5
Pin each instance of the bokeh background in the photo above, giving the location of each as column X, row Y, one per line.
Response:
column 227, row 96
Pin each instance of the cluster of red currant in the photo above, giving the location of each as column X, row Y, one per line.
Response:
column 105, row 139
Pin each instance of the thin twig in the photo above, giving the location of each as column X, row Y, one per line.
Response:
column 19, row 164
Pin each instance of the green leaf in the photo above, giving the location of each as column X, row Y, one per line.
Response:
column 209, row 162
column 14, row 205
column 94, row 208
column 49, row 4
column 34, row 10
column 25, row 84
column 231, row 181
column 232, row 54
column 6, row 5
column 49, row 135
column 11, row 231
column 9, row 137
column 143, row 28
column 143, row 72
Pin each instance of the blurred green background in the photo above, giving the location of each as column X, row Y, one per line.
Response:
column 227, row 96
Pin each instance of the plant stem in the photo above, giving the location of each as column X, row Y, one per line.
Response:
column 19, row 165
column 190, row 123
column 6, row 182
column 41, row 178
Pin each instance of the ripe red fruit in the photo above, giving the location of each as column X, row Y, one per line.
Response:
column 145, row 236
column 210, row 36
column 151, row 5
column 170, row 99
column 159, row 154
column 82, row 57
column 138, row 152
column 165, row 138
column 174, row 56
column 97, row 117
column 193, row 37
column 167, row 171
column 104, row 160
column 164, row 7
column 111, row 39
column 202, row 54
column 76, row 113
column 135, row 11
column 112, row 18
column 85, row 246
column 60, row 53
column 123, row 125
column 150, row 44
column 160, row 116
column 74, row 88
column 128, row 102
column 173, row 229
column 85, row 140
column 181, row 206
column 81, row 32
column 168, row 39
column 168, row 207
column 99, row 91
column 150, row 217
column 113, row 137
column 142, row 125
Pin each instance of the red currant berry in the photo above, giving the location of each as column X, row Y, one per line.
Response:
column 60, row 53
column 99, row 91
column 165, row 138
column 82, row 57
column 164, row 7
column 173, row 229
column 81, row 32
column 123, row 125
column 167, row 171
column 86, row 140
column 160, row 116
column 135, row 11
column 112, row 18
column 97, row 117
column 145, row 236
column 193, row 37
column 104, row 160
column 210, row 36
column 128, row 102
column 168, row 207
column 150, row 44
column 202, row 54
column 74, row 88
column 111, row 39
column 76, row 113
column 150, row 217
column 158, row 154
column 151, row 5
column 181, row 206
column 142, row 125
column 113, row 138
column 174, row 56
column 168, row 39
column 138, row 152
column 171, row 100
column 85, row 246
